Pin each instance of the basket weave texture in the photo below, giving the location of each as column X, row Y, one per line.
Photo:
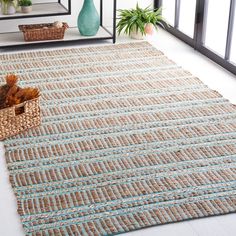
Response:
column 12, row 124
column 39, row 32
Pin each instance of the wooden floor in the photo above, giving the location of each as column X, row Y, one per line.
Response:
column 211, row 74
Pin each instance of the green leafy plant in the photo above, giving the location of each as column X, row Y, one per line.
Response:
column 137, row 18
column 25, row 3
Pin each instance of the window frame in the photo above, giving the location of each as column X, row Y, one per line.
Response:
column 197, row 41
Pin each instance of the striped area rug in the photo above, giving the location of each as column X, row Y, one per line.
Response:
column 128, row 140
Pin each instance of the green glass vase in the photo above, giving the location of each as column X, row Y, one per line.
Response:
column 88, row 19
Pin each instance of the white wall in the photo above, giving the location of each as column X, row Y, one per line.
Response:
column 11, row 25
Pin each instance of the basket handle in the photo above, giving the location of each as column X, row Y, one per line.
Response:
column 22, row 105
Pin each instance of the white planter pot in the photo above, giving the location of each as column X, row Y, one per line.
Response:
column 26, row 9
column 134, row 34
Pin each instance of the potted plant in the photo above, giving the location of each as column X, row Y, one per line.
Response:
column 138, row 22
column 26, row 6
column 8, row 7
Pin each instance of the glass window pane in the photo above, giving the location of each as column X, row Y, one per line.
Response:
column 233, row 47
column 216, row 25
column 169, row 11
column 187, row 16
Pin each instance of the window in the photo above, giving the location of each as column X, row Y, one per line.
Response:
column 169, row 11
column 187, row 16
column 216, row 25
column 233, row 48
column 207, row 25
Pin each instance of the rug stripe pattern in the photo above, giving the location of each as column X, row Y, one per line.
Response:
column 128, row 140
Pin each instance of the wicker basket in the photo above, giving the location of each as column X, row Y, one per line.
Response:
column 40, row 32
column 12, row 124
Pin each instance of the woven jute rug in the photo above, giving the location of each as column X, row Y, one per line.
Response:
column 128, row 140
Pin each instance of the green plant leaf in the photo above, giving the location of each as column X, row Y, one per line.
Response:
column 137, row 18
